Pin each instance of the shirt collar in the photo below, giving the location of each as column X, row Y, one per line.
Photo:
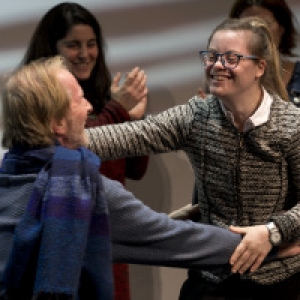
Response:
column 260, row 116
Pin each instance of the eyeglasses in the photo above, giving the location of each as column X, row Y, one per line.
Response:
column 229, row 59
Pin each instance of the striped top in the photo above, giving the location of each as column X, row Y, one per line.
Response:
column 242, row 178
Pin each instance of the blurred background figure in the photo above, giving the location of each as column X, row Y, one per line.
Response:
column 71, row 30
column 283, row 25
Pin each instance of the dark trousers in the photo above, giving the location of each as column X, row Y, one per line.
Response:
column 234, row 288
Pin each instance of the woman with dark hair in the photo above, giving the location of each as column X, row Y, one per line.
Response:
column 281, row 21
column 72, row 31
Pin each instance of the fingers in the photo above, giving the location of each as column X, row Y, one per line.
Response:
column 136, row 80
column 133, row 92
column 257, row 263
column 132, row 75
column 238, row 252
column 239, row 230
column 116, row 80
column 252, row 250
column 245, row 260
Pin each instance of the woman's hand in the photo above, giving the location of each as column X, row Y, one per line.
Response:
column 252, row 250
column 187, row 212
column 132, row 94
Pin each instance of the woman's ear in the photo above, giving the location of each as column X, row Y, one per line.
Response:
column 262, row 64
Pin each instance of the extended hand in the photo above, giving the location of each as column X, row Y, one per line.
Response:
column 187, row 212
column 252, row 250
column 132, row 92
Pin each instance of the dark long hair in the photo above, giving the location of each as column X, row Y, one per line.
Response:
column 282, row 14
column 54, row 26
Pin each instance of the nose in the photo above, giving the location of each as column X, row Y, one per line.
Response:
column 89, row 106
column 83, row 51
column 219, row 60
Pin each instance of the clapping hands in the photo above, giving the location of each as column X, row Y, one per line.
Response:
column 132, row 93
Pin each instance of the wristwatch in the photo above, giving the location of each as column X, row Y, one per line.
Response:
column 274, row 234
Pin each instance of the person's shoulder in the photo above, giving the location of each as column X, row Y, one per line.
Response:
column 15, row 189
column 286, row 112
column 279, row 103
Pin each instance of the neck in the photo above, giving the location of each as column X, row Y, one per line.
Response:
column 243, row 107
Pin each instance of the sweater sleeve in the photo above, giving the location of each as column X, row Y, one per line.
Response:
column 143, row 236
column 164, row 132
column 114, row 113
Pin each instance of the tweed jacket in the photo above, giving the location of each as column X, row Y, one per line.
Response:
column 242, row 178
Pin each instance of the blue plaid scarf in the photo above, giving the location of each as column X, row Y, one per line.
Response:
column 62, row 244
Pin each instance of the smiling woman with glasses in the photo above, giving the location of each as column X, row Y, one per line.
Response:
column 243, row 141
column 229, row 59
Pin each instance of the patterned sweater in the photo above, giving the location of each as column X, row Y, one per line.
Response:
column 242, row 178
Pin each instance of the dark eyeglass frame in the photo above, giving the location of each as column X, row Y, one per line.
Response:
column 223, row 61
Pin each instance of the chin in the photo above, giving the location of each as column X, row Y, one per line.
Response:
column 216, row 92
column 82, row 76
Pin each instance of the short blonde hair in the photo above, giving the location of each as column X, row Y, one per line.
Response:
column 32, row 98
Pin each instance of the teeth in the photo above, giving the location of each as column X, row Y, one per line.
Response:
column 219, row 77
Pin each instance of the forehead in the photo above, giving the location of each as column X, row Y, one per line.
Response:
column 69, row 82
column 81, row 31
column 231, row 40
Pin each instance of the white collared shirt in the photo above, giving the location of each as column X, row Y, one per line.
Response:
column 260, row 116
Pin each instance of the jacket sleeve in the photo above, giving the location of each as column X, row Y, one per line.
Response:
column 143, row 236
column 167, row 131
column 288, row 221
column 114, row 113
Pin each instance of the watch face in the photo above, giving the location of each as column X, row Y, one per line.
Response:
column 275, row 238
column 274, row 234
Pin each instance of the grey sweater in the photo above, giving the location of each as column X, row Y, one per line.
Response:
column 139, row 234
column 242, row 179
